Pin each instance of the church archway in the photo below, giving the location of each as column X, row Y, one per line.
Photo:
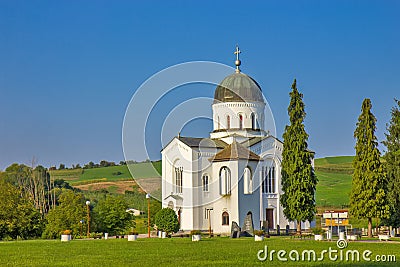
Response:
column 225, row 218
column 247, row 181
column 253, row 121
column 240, row 121
column 225, row 181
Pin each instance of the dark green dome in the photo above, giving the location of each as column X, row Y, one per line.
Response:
column 238, row 87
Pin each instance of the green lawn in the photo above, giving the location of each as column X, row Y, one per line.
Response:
column 176, row 252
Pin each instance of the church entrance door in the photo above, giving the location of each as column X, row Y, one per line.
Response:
column 270, row 218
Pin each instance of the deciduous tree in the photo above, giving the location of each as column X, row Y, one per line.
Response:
column 67, row 215
column 111, row 216
column 18, row 216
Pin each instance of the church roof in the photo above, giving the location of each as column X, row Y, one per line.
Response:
column 176, row 197
column 254, row 140
column 235, row 151
column 202, row 142
column 238, row 87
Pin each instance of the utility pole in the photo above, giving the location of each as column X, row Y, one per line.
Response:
column 88, row 218
column 148, row 215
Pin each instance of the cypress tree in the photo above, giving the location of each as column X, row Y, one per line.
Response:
column 392, row 158
column 368, row 192
column 298, row 178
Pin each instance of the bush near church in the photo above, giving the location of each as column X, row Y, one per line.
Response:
column 167, row 221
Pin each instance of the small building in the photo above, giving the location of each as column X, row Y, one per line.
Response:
column 336, row 221
column 135, row 212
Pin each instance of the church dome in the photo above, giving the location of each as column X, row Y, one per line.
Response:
column 238, row 87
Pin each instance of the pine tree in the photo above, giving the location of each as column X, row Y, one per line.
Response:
column 392, row 158
column 298, row 178
column 368, row 192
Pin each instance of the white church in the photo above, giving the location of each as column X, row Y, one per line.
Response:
column 212, row 182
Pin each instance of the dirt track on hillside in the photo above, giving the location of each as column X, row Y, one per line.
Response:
column 121, row 186
column 148, row 185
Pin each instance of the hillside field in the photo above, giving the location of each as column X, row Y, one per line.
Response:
column 107, row 174
column 334, row 175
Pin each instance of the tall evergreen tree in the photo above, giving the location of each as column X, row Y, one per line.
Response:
column 392, row 158
column 368, row 192
column 298, row 178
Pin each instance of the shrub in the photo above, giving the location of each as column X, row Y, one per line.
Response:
column 66, row 232
column 133, row 232
column 167, row 221
column 318, row 231
column 96, row 235
column 195, row 232
column 259, row 232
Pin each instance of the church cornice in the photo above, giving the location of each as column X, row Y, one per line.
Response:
column 238, row 129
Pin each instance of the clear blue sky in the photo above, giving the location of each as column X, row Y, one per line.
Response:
column 69, row 68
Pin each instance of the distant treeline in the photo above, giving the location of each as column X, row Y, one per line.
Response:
column 92, row 165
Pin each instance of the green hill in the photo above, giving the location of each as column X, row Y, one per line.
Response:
column 334, row 175
column 108, row 174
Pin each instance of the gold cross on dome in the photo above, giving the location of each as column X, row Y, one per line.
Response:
column 237, row 52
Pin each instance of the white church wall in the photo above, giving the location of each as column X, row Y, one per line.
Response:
column 249, row 202
column 201, row 166
column 228, row 203
column 178, row 154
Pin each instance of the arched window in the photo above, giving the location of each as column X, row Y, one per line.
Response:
column 273, row 180
column 225, row 181
column 240, row 121
column 269, row 181
column 178, row 179
column 225, row 218
column 253, row 121
column 228, row 122
column 205, row 182
column 248, row 181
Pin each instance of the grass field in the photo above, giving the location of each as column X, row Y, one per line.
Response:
column 177, row 252
column 341, row 164
column 333, row 189
column 334, row 175
column 108, row 174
